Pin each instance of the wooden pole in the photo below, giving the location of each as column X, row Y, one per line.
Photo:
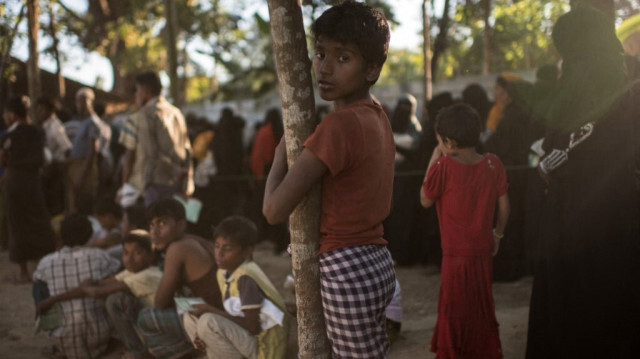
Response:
column 426, row 51
column 298, row 108
column 56, row 53
column 486, row 38
column 172, row 50
column 33, row 69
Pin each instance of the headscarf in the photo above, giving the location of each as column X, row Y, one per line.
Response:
column 593, row 75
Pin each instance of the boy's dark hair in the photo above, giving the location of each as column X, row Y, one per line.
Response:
column 356, row 23
column 137, row 216
column 75, row 230
column 151, row 81
column 106, row 205
column 168, row 207
column 460, row 123
column 237, row 229
column 19, row 105
column 140, row 237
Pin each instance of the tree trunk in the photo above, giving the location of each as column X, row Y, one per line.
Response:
column 33, row 70
column 606, row 6
column 298, row 108
column 171, row 32
column 56, row 53
column 426, row 51
column 486, row 38
column 441, row 40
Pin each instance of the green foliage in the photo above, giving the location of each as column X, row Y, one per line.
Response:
column 521, row 36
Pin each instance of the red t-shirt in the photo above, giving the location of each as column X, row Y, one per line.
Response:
column 356, row 144
column 466, row 197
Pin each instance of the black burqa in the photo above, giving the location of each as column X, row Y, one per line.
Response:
column 586, row 293
column 30, row 233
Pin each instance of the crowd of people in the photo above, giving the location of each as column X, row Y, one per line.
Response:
column 144, row 228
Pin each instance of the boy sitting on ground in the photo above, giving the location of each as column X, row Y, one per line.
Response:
column 126, row 293
column 188, row 262
column 253, row 322
column 84, row 332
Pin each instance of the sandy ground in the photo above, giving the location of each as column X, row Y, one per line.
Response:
column 419, row 301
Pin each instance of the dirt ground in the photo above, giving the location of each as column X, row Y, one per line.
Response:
column 419, row 302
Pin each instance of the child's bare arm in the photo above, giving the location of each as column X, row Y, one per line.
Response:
column 105, row 288
column 285, row 189
column 504, row 209
column 171, row 279
column 46, row 304
column 424, row 200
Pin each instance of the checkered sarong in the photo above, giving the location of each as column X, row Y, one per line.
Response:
column 357, row 284
column 163, row 333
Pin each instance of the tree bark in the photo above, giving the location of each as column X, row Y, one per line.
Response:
column 441, row 44
column 426, row 51
column 486, row 38
column 298, row 108
column 56, row 53
column 171, row 31
column 33, row 69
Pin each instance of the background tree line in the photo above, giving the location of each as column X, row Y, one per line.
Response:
column 465, row 37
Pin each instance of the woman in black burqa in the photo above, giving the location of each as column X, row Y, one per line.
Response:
column 586, row 293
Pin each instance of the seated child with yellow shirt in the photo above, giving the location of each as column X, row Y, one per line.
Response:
column 253, row 323
column 126, row 293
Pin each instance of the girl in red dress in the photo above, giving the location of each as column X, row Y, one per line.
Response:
column 465, row 187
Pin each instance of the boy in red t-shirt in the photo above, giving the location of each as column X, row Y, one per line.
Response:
column 352, row 153
column 465, row 186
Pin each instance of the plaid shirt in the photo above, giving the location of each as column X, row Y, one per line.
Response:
column 85, row 331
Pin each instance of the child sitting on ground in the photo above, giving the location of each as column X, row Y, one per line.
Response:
column 188, row 263
column 126, row 293
column 85, row 330
column 109, row 215
column 253, row 322
column 465, row 186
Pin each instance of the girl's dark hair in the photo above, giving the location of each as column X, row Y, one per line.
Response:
column 19, row 105
column 140, row 237
column 237, row 229
column 356, row 23
column 75, row 230
column 459, row 123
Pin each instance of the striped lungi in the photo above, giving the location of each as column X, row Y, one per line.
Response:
column 162, row 331
column 357, row 285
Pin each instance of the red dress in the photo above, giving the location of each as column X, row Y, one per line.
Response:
column 466, row 198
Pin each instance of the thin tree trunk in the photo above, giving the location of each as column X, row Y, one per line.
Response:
column 426, row 49
column 172, row 50
column 441, row 44
column 486, row 38
column 298, row 108
column 33, row 70
column 56, row 53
